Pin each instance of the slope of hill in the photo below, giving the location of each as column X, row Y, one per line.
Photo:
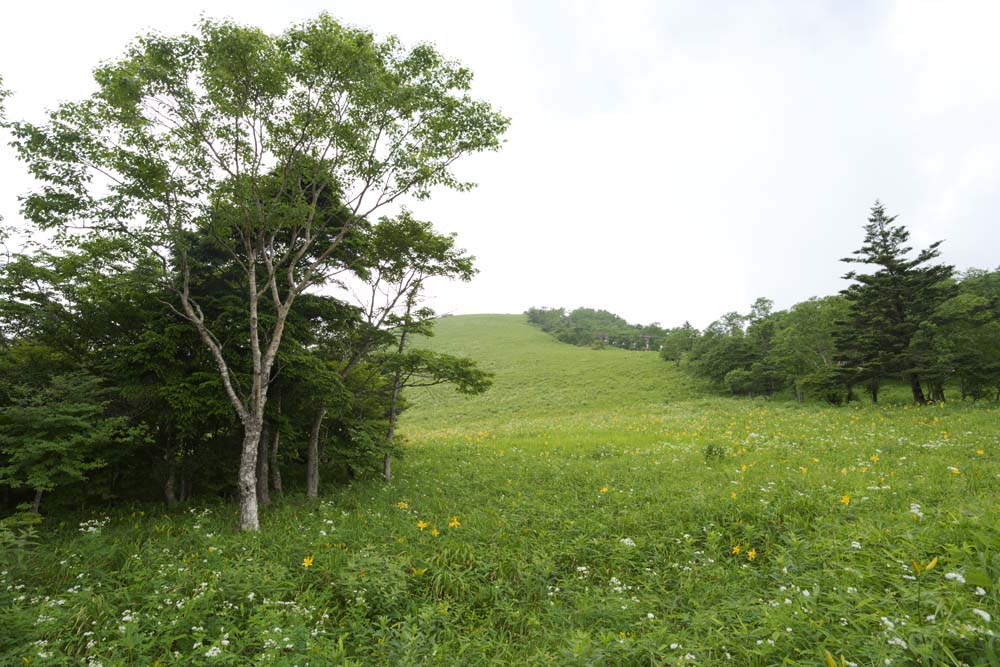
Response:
column 538, row 379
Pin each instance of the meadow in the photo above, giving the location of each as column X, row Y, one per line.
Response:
column 595, row 507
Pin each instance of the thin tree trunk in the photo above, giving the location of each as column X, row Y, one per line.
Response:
column 275, row 470
column 36, row 505
column 918, row 391
column 312, row 458
column 393, row 411
column 275, row 443
column 263, row 474
column 168, row 488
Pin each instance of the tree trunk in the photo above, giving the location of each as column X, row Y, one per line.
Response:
column 275, row 470
column 263, row 474
column 36, row 505
column 247, row 479
column 387, row 458
column 397, row 382
column 918, row 391
column 312, row 458
column 168, row 488
column 275, row 443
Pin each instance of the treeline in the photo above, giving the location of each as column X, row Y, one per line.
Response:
column 908, row 320
column 597, row 328
column 106, row 391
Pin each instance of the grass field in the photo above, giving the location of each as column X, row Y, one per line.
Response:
column 594, row 508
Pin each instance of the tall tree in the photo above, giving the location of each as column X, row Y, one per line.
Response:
column 277, row 146
column 887, row 307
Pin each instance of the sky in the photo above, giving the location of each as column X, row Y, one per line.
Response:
column 666, row 161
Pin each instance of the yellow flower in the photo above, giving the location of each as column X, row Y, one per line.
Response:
column 422, row 524
column 435, row 532
column 733, row 495
column 403, row 505
column 743, row 468
column 874, row 458
column 751, row 554
column 803, row 469
column 954, row 470
column 307, row 561
column 737, row 549
column 604, row 489
column 453, row 522
column 919, row 567
column 980, row 452
column 846, row 499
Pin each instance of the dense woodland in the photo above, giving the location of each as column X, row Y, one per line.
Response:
column 903, row 318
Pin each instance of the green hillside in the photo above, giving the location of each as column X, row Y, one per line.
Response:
column 538, row 379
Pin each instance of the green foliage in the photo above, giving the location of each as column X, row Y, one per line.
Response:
column 54, row 435
column 678, row 342
column 887, row 308
column 586, row 326
column 713, row 451
column 246, row 166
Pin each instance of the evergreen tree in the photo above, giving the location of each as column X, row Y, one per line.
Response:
column 887, row 307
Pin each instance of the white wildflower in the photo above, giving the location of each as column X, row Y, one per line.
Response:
column 982, row 614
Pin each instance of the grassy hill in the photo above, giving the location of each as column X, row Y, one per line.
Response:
column 594, row 508
column 538, row 379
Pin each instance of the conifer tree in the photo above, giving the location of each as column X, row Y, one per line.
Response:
column 887, row 307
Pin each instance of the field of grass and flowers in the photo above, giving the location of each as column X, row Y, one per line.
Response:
column 594, row 508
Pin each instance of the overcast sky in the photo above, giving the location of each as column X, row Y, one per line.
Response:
column 667, row 161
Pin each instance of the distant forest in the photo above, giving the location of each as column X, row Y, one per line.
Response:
column 597, row 328
column 908, row 320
